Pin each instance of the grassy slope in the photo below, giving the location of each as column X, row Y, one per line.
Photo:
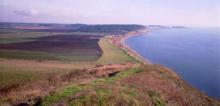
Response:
column 151, row 85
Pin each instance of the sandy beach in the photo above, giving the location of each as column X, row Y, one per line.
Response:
column 119, row 41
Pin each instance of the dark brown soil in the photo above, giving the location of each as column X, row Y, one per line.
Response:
column 85, row 44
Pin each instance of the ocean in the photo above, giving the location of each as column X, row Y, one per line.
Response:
column 193, row 53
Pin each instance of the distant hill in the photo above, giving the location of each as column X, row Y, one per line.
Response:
column 110, row 29
column 105, row 28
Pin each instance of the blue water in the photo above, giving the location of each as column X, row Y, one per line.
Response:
column 193, row 53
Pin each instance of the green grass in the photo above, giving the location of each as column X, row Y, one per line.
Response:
column 112, row 54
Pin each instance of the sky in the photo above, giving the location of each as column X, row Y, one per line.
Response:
column 145, row 12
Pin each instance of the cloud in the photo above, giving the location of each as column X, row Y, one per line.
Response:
column 31, row 12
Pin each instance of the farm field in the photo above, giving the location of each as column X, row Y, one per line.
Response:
column 46, row 46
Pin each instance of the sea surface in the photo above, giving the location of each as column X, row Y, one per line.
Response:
column 193, row 53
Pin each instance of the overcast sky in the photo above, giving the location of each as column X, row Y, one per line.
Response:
column 163, row 12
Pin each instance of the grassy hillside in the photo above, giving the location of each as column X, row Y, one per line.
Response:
column 150, row 85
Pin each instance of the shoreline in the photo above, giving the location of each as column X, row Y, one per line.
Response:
column 119, row 41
